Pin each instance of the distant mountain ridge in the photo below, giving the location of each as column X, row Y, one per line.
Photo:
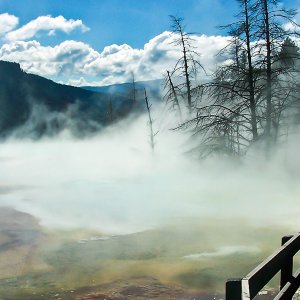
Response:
column 33, row 106
column 153, row 86
column 154, row 90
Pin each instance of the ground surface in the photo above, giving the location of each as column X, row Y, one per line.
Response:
column 181, row 262
column 139, row 289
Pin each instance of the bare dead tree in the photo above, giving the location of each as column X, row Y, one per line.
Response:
column 171, row 94
column 247, row 99
column 228, row 110
column 188, row 64
column 270, row 16
column 250, row 76
column 134, row 98
column 150, row 122
column 243, row 69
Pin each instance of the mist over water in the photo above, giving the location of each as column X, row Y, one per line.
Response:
column 113, row 183
column 115, row 215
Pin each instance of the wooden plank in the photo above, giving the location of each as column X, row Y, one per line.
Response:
column 287, row 270
column 281, row 260
column 234, row 289
column 263, row 273
column 287, row 292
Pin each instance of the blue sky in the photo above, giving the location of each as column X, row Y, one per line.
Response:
column 65, row 40
column 125, row 21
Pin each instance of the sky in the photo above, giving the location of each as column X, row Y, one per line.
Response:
column 101, row 42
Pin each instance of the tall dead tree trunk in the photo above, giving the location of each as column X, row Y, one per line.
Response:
column 173, row 95
column 152, row 134
column 188, row 64
column 268, row 73
column 133, row 89
column 250, row 72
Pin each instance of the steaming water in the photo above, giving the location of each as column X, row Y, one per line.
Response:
column 112, row 182
column 212, row 220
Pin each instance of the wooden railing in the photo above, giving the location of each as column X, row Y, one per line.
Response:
column 280, row 261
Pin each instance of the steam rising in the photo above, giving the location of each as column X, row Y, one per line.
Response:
column 112, row 182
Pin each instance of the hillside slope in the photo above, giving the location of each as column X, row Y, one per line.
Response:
column 34, row 106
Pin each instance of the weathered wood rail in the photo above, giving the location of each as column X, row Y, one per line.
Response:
column 280, row 261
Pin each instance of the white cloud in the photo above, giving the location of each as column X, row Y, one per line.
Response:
column 7, row 23
column 79, row 64
column 79, row 82
column 291, row 26
column 112, row 49
column 117, row 62
column 45, row 23
column 65, row 59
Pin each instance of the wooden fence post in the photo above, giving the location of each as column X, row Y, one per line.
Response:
column 287, row 270
column 279, row 261
column 234, row 289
